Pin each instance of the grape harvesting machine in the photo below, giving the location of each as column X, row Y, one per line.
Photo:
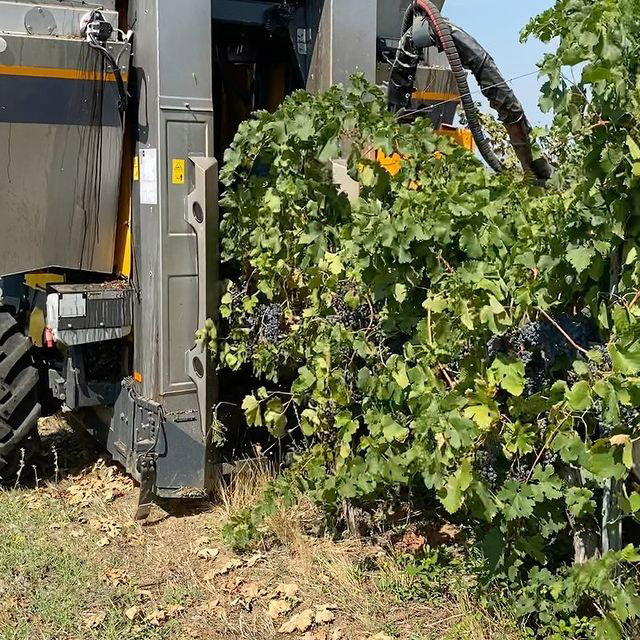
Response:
column 114, row 118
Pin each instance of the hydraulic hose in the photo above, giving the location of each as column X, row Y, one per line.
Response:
column 502, row 99
column 443, row 32
column 407, row 21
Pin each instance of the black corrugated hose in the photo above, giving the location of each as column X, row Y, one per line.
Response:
column 443, row 33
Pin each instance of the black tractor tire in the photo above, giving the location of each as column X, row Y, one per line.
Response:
column 19, row 406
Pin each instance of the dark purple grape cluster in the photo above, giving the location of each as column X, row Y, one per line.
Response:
column 485, row 465
column 494, row 346
column 352, row 318
column 596, row 368
column 272, row 321
column 266, row 324
column 351, row 381
column 603, row 428
column 329, row 414
column 540, row 345
column 457, row 360
column 345, row 354
column 550, row 457
column 536, row 379
column 629, row 416
column 519, row 472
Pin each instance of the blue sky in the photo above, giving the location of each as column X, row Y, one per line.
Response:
column 496, row 24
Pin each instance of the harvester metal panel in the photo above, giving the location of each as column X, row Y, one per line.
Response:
column 345, row 42
column 60, row 147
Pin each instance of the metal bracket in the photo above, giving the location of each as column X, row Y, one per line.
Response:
column 147, row 470
column 148, row 425
column 202, row 214
column 303, row 38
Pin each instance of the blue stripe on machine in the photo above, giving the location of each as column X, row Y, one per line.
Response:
column 58, row 101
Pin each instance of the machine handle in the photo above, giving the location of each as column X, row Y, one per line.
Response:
column 202, row 214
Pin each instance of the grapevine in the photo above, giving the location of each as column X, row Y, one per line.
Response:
column 453, row 332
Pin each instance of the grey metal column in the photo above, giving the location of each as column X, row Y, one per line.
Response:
column 345, row 43
column 173, row 64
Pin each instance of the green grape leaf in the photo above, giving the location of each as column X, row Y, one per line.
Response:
column 452, row 495
column 252, row 412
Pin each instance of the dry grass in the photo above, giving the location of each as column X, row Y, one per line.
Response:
column 178, row 566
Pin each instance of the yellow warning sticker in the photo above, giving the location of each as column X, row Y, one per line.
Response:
column 178, row 171
column 136, row 168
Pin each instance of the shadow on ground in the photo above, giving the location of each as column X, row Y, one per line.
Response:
column 64, row 451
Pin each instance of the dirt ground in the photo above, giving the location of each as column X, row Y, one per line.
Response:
column 75, row 565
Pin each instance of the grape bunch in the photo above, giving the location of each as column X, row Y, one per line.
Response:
column 352, row 318
column 519, row 472
column 329, row 414
column 536, row 379
column 355, row 394
column 629, row 416
column 485, row 465
column 541, row 346
column 596, row 368
column 494, row 347
column 460, row 357
column 550, row 457
column 266, row 324
column 272, row 323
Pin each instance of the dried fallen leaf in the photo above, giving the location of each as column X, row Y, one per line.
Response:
column 314, row 635
column 234, row 563
column 132, row 612
column 449, row 532
column 111, row 528
column 94, row 620
column 278, row 608
column 300, row 622
column 620, row 439
column 103, row 542
column 287, row 589
column 115, row 577
column 381, row 636
column 337, row 634
column 208, row 554
column 411, row 542
column 157, row 618
column 211, row 607
column 251, row 590
column 254, row 559
column 324, row 616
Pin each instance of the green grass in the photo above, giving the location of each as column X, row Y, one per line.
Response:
column 50, row 583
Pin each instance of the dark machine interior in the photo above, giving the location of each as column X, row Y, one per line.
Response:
column 255, row 61
column 255, row 66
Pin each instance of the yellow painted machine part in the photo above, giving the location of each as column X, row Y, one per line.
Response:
column 122, row 258
column 40, row 280
column 36, row 326
column 434, row 96
column 50, row 72
column 463, row 137
column 393, row 163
